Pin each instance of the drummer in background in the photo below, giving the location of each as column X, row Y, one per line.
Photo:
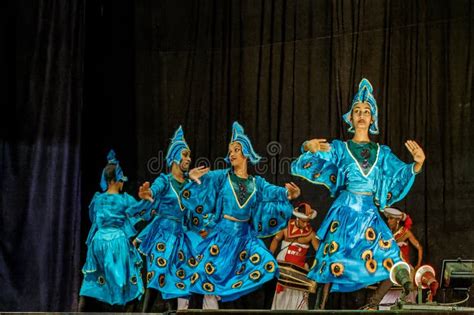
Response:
column 400, row 224
column 295, row 241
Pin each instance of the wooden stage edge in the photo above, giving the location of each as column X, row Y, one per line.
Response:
column 410, row 309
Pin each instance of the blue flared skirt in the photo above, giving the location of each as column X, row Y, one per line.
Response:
column 169, row 257
column 112, row 268
column 357, row 248
column 233, row 262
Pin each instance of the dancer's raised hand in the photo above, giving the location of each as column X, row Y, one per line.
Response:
column 144, row 192
column 315, row 145
column 196, row 173
column 293, row 190
column 417, row 153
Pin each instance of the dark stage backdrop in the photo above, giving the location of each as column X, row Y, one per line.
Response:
column 287, row 70
column 40, row 194
column 87, row 76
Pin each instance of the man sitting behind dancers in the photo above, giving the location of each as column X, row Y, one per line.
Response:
column 295, row 240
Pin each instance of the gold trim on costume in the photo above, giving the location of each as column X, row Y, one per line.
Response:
column 370, row 234
column 161, row 262
column 270, row 266
column 326, row 249
column 208, row 287
column 194, row 277
column 209, row 268
column 255, row 275
column 337, row 269
column 371, row 265
column 367, row 254
column 161, row 247
column 150, row 276
column 192, row 262
column 323, row 265
column 357, row 163
column 241, row 270
column 178, row 198
column 255, row 258
column 388, row 263
column 235, row 195
column 199, row 209
column 333, row 247
column 214, row 250
column 385, row 244
column 186, row 194
column 101, row 280
column 273, row 222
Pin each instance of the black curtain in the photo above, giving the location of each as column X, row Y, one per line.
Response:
column 82, row 79
column 108, row 113
column 40, row 178
column 287, row 70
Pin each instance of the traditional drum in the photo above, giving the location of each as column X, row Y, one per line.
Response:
column 294, row 277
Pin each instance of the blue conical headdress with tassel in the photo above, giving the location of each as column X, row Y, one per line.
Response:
column 238, row 135
column 112, row 159
column 364, row 95
column 176, row 146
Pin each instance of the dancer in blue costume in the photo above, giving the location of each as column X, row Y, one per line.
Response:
column 164, row 241
column 112, row 268
column 357, row 248
column 236, row 208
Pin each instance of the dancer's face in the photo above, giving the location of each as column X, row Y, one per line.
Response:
column 235, row 154
column 393, row 223
column 185, row 160
column 361, row 116
column 301, row 223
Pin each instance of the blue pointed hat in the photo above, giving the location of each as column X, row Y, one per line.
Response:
column 364, row 95
column 238, row 135
column 112, row 159
column 176, row 146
